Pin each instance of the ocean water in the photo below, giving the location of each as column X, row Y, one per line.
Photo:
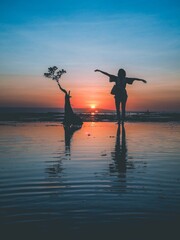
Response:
column 98, row 179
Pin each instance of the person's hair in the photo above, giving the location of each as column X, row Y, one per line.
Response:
column 121, row 72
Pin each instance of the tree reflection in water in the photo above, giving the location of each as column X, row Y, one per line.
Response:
column 56, row 169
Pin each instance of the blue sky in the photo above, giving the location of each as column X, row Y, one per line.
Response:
column 76, row 33
column 141, row 36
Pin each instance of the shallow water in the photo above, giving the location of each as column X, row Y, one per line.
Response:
column 99, row 176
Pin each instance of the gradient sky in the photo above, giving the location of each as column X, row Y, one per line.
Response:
column 140, row 36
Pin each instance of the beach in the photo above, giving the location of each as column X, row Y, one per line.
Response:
column 97, row 181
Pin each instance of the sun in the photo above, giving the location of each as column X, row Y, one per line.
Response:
column 93, row 106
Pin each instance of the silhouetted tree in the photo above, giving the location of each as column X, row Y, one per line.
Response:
column 70, row 118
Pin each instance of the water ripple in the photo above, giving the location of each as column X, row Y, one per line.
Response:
column 97, row 178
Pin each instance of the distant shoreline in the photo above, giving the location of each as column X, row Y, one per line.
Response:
column 88, row 117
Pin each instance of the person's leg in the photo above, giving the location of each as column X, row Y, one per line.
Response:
column 117, row 103
column 123, row 104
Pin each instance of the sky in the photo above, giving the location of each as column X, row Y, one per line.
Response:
column 80, row 36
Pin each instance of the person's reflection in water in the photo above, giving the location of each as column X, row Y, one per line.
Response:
column 120, row 152
column 119, row 156
column 56, row 169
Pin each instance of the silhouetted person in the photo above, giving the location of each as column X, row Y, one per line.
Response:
column 119, row 90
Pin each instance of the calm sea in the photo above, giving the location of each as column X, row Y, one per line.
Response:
column 98, row 179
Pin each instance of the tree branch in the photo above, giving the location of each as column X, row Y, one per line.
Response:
column 62, row 89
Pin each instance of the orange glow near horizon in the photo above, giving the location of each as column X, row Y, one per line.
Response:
column 30, row 91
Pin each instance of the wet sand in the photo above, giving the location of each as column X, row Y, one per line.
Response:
column 98, row 182
column 15, row 116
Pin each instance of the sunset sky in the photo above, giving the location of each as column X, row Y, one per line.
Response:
column 141, row 36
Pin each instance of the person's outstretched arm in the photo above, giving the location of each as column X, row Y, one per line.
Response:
column 105, row 73
column 131, row 80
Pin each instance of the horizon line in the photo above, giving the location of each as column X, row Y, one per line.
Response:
column 86, row 108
